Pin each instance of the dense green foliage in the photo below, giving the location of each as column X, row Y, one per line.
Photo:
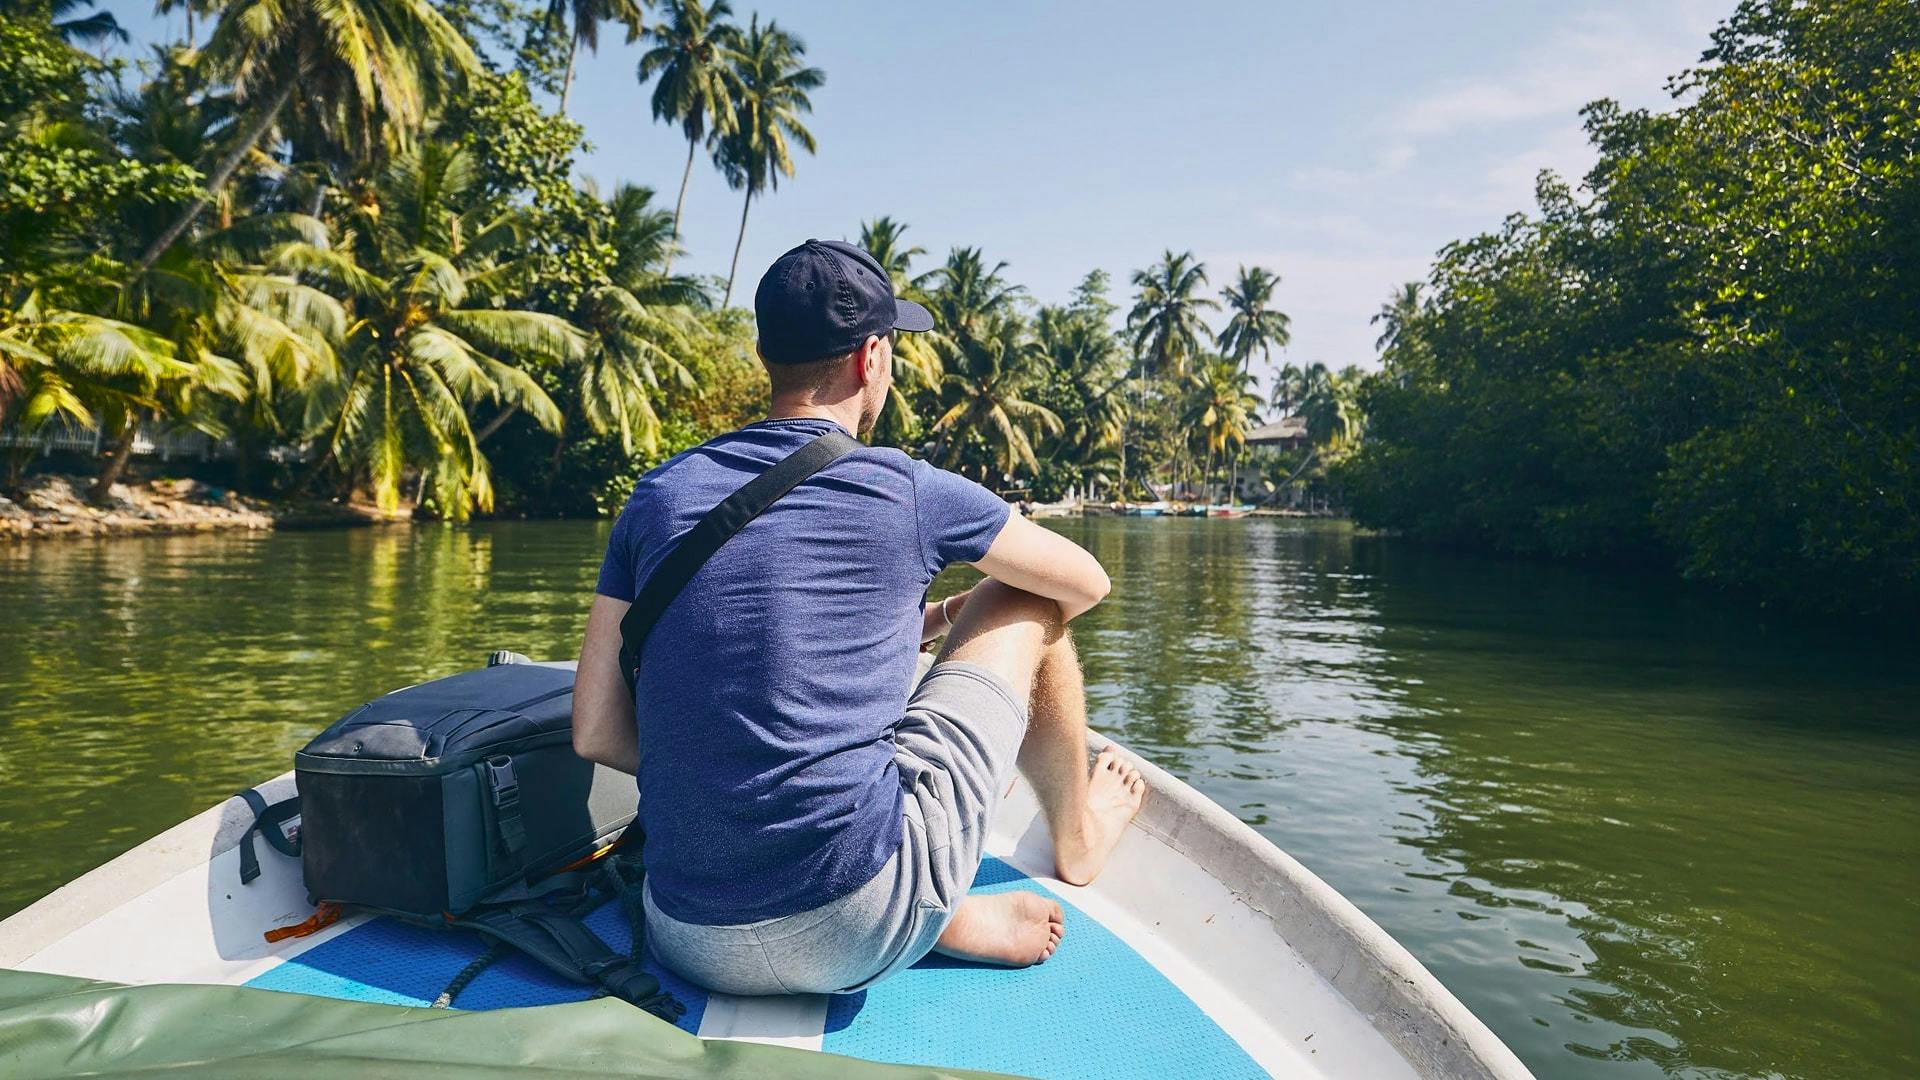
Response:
column 349, row 237
column 376, row 275
column 1709, row 360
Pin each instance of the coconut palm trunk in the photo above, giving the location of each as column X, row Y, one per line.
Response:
column 734, row 270
column 222, row 172
column 117, row 459
column 493, row 425
column 566, row 81
column 678, row 205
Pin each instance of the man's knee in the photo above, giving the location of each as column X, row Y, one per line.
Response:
column 998, row 602
column 1005, row 629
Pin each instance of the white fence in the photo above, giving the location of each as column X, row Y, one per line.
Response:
column 149, row 441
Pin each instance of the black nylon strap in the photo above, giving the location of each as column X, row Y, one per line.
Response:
column 267, row 821
column 719, row 526
column 565, row 945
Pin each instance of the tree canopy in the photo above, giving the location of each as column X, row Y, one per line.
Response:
column 1705, row 359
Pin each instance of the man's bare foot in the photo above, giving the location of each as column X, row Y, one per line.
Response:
column 1014, row 928
column 1114, row 794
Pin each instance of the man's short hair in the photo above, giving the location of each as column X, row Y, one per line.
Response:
column 809, row 376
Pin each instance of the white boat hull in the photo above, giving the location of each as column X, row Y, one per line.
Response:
column 1292, row 974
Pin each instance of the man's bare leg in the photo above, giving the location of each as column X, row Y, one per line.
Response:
column 1086, row 813
column 1021, row 637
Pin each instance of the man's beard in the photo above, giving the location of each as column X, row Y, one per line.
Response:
column 870, row 412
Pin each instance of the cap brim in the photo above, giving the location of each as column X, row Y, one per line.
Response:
column 911, row 317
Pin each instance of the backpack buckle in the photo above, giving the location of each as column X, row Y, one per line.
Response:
column 506, row 788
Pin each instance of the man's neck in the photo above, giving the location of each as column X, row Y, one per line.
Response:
column 846, row 414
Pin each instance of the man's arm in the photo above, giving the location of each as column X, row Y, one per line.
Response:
column 1047, row 564
column 603, row 721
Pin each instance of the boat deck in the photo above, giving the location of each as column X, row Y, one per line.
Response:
column 1200, row 951
column 1046, row 1020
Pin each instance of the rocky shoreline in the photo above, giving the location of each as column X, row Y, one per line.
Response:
column 55, row 505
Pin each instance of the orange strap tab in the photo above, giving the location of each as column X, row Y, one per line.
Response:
column 323, row 916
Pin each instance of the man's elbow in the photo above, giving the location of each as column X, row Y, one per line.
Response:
column 1094, row 587
column 589, row 743
column 583, row 746
column 1100, row 586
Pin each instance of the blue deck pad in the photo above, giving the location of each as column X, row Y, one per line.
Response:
column 395, row 963
column 1096, row 1009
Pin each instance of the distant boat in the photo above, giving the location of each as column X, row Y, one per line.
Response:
column 1233, row 959
column 1236, row 510
column 1152, row 509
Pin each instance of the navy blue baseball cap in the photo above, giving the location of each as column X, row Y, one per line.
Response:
column 823, row 299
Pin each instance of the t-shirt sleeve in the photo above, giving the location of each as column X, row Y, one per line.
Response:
column 616, row 570
column 959, row 519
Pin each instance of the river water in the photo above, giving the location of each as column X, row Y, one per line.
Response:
column 1639, row 829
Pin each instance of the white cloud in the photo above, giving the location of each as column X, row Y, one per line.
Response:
column 1389, row 162
column 1329, row 296
column 1456, row 158
column 1597, row 56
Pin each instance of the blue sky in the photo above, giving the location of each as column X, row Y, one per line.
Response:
column 1339, row 145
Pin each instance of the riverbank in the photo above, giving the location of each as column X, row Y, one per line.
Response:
column 55, row 505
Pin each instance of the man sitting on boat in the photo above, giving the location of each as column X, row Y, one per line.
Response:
column 813, row 814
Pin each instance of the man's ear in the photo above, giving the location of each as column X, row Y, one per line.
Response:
column 873, row 360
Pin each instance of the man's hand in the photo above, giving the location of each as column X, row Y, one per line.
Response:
column 604, row 729
column 938, row 617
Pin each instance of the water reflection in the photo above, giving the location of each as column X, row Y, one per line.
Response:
column 1637, row 829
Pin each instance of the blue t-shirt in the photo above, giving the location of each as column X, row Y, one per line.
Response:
column 770, row 688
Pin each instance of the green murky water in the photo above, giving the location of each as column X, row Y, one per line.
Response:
column 1637, row 829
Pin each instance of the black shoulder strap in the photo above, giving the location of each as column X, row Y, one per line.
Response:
column 268, row 821
column 701, row 541
column 559, row 939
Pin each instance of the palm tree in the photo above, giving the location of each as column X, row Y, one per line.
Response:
column 634, row 349
column 1253, row 325
column 638, row 323
column 884, row 239
column 90, row 369
column 191, row 7
column 1289, row 386
column 1166, row 314
column 85, row 29
column 642, row 240
column 424, row 342
column 1080, row 348
column 770, row 87
column 1398, row 313
column 965, row 293
column 586, row 17
column 691, row 54
column 1221, row 409
column 1330, row 404
column 987, row 377
column 367, row 71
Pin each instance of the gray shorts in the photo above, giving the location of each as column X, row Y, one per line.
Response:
column 956, row 750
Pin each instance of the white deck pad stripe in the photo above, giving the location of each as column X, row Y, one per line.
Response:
column 798, row 1021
